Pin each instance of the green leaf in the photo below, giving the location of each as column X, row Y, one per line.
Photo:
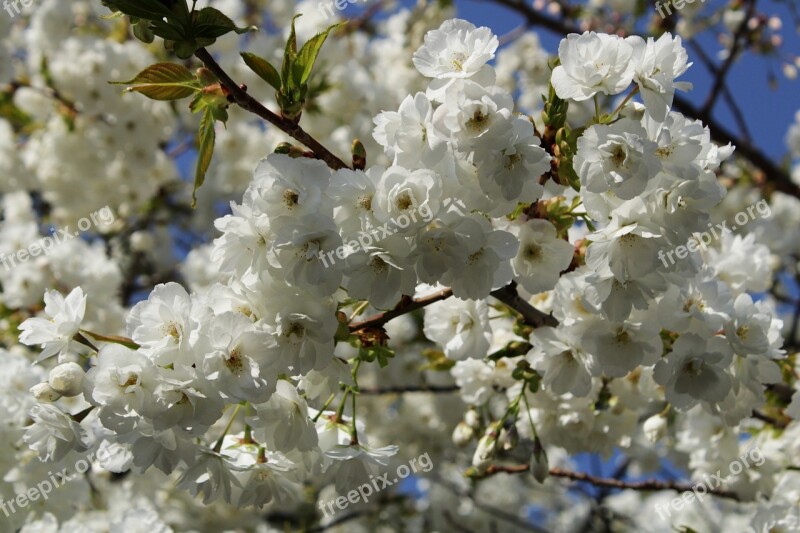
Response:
column 205, row 150
column 146, row 9
column 308, row 55
column 163, row 81
column 288, row 57
column 143, row 32
column 211, row 23
column 166, row 31
column 264, row 69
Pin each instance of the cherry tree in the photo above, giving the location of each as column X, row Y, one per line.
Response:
column 282, row 267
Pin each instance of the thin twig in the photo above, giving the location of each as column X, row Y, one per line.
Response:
column 722, row 73
column 405, row 306
column 509, row 296
column 248, row 103
column 647, row 485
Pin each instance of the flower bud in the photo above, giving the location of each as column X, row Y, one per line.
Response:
column 43, row 392
column 462, row 434
column 485, row 451
column 472, row 419
column 67, row 379
column 655, row 428
column 539, row 465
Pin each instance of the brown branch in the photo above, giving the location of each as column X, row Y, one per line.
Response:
column 433, row 389
column 647, row 485
column 248, row 103
column 406, row 305
column 508, row 295
column 736, row 110
column 722, row 73
column 533, row 317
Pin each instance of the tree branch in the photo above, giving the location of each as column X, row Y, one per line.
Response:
column 719, row 80
column 532, row 316
column 647, row 485
column 406, row 305
column 433, row 389
column 248, row 103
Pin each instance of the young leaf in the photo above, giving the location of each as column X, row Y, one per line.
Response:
column 289, row 56
column 205, row 150
column 146, row 9
column 264, row 69
column 210, row 23
column 163, row 81
column 308, row 55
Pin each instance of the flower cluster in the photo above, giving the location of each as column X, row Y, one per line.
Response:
column 245, row 386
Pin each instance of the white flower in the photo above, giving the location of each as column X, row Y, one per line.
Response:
column 165, row 325
column 456, row 50
column 300, row 248
column 476, row 118
column 620, row 348
column 123, row 382
column 303, row 328
column 509, row 172
column 284, row 186
column 592, row 63
column 461, row 327
column 408, row 135
column 407, row 199
column 617, row 158
column 541, row 257
column 232, row 364
column 695, row 371
column 742, row 263
column 657, row 64
column 56, row 333
column 381, row 273
column 565, row 367
column 211, row 475
column 54, row 433
column 474, row 378
column 748, row 329
column 468, row 255
column 282, row 423
column 354, row 464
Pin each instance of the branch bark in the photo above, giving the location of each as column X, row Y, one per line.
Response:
column 248, row 103
column 647, row 485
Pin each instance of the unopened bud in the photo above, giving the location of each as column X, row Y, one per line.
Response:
column 539, row 466
column 472, row 419
column 655, row 428
column 359, row 155
column 43, row 392
column 67, row 379
column 485, row 451
column 462, row 434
